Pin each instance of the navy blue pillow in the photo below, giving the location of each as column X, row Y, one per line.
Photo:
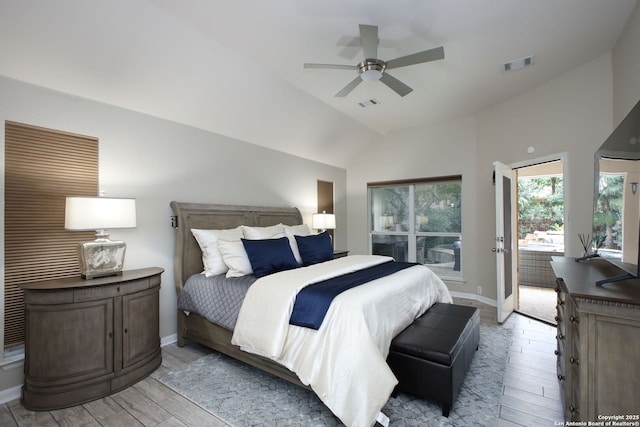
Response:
column 269, row 256
column 315, row 248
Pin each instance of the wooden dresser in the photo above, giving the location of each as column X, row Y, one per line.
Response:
column 598, row 351
column 86, row 339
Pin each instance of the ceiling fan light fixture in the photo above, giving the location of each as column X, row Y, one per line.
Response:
column 370, row 70
column 371, row 75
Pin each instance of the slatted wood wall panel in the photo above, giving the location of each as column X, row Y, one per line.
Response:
column 42, row 167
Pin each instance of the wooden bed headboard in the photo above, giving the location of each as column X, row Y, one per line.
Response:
column 188, row 256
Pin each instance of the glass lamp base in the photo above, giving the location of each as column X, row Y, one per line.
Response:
column 101, row 257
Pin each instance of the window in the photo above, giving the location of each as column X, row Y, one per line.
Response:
column 418, row 221
column 42, row 167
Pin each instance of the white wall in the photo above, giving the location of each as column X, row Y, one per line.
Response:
column 626, row 68
column 157, row 161
column 571, row 114
column 445, row 149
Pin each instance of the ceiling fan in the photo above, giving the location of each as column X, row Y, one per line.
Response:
column 373, row 69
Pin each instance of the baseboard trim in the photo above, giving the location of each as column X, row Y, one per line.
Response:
column 10, row 394
column 169, row 339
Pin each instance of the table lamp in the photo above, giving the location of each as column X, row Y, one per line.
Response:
column 323, row 221
column 102, row 256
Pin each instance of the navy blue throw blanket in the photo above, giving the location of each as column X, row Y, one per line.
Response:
column 313, row 301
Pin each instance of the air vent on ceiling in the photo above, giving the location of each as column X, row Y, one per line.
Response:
column 518, row 64
column 368, row 103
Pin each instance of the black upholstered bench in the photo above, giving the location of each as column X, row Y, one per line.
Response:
column 431, row 356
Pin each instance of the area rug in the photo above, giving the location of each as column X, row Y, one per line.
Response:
column 244, row 396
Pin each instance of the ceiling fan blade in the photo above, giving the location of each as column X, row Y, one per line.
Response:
column 348, row 88
column 331, row 66
column 395, row 84
column 369, row 41
column 417, row 58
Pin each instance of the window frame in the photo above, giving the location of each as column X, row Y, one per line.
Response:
column 412, row 234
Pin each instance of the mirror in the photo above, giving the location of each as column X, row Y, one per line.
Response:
column 616, row 217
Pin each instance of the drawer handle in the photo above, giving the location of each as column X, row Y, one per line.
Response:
column 125, row 330
column 560, row 337
column 560, row 377
column 574, row 361
column 110, row 335
column 573, row 409
column 558, row 318
column 575, row 319
column 556, row 352
column 557, row 290
column 560, row 302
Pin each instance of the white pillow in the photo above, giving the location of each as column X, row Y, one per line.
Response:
column 211, row 256
column 296, row 230
column 235, row 257
column 260, row 233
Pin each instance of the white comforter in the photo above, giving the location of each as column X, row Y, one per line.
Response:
column 344, row 361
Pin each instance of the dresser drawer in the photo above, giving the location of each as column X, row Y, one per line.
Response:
column 110, row 291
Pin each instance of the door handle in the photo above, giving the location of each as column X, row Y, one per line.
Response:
column 499, row 248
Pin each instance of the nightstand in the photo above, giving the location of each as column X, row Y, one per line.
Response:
column 339, row 253
column 86, row 339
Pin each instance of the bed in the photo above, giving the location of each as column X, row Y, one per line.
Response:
column 337, row 394
column 188, row 261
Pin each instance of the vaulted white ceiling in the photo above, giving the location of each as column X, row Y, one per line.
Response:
column 235, row 67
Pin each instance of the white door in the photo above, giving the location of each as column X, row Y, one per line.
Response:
column 506, row 240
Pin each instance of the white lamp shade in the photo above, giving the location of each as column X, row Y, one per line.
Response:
column 99, row 213
column 371, row 75
column 323, row 221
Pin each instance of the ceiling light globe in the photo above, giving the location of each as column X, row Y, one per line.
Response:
column 371, row 75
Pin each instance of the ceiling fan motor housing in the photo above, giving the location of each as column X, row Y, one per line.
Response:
column 371, row 70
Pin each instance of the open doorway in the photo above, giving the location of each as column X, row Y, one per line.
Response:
column 540, row 236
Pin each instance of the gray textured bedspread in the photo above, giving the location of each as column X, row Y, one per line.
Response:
column 216, row 298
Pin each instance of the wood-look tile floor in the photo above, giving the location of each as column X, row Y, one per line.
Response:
column 531, row 392
column 146, row 403
column 531, row 395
